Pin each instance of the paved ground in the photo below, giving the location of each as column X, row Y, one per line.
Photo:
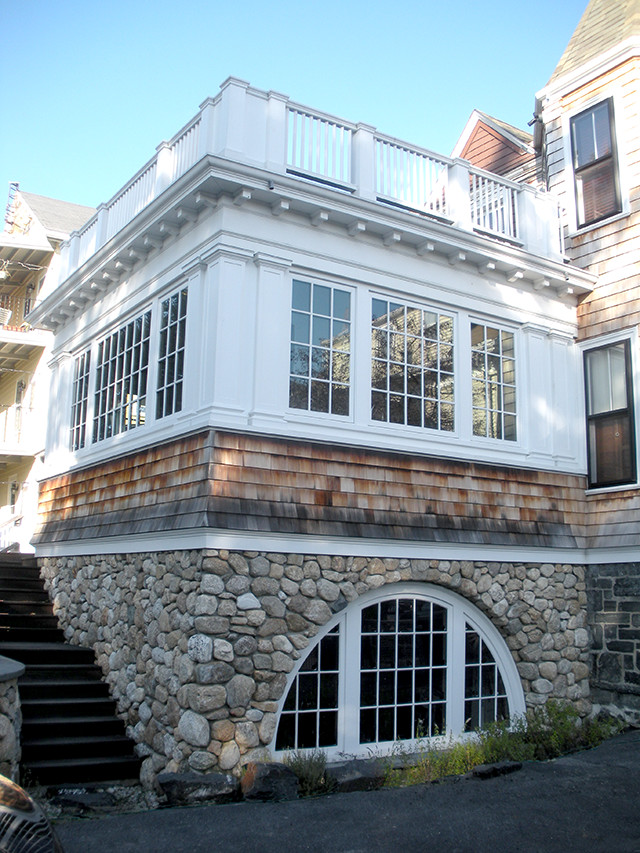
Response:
column 586, row 802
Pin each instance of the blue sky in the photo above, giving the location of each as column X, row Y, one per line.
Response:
column 90, row 88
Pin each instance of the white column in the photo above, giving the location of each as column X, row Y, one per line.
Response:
column 363, row 163
column 273, row 316
column 458, row 203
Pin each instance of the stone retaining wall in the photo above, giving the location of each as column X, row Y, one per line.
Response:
column 196, row 645
column 10, row 718
column 613, row 591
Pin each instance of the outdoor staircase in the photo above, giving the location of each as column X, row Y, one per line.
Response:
column 70, row 731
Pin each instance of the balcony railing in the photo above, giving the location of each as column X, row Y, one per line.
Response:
column 263, row 129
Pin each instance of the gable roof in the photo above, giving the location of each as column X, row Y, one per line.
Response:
column 59, row 217
column 604, row 24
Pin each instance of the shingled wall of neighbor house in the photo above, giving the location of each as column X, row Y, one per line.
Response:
column 255, row 483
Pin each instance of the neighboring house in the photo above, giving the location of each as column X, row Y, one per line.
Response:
column 34, row 227
column 590, row 134
column 318, row 471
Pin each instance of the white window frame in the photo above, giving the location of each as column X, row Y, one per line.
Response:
column 313, row 281
column 423, row 306
column 460, row 612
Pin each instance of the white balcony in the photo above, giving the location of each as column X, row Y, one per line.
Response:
column 265, row 130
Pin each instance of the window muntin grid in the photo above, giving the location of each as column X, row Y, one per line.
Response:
column 485, row 695
column 309, row 718
column 403, row 670
column 121, row 379
column 493, row 380
column 320, row 356
column 80, row 399
column 412, row 356
column 399, row 671
column 171, row 354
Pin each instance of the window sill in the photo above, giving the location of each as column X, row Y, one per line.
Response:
column 601, row 223
column 606, row 490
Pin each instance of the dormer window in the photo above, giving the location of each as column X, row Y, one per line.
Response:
column 595, row 164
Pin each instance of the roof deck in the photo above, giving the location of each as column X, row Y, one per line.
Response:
column 250, row 144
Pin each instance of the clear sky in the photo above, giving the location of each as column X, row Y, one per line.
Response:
column 91, row 87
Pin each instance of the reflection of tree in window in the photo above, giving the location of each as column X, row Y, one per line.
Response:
column 411, row 366
column 493, row 382
column 320, row 348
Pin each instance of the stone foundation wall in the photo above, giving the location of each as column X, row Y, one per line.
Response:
column 10, row 718
column 614, row 610
column 196, row 645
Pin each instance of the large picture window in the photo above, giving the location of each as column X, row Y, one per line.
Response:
column 493, row 378
column 610, row 423
column 320, row 362
column 399, row 667
column 411, row 366
column 121, row 379
column 593, row 147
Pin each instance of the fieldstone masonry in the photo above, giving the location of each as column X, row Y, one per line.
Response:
column 10, row 719
column 613, row 592
column 197, row 645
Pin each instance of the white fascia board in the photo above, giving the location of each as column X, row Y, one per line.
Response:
column 214, row 539
column 597, row 67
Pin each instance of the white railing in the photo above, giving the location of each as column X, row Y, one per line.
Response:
column 266, row 130
column 184, row 148
column 494, row 205
column 319, row 146
column 411, row 177
column 132, row 199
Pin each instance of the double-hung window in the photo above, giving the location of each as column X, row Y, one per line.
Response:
column 610, row 424
column 595, row 167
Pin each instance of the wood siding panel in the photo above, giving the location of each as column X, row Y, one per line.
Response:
column 253, row 483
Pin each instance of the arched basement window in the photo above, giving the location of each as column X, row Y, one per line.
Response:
column 399, row 664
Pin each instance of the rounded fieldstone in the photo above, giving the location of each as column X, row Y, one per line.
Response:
column 212, row 584
column 229, row 755
column 248, row 601
column 259, row 566
column 237, row 585
column 273, row 606
column 247, row 735
column 206, row 697
column 542, row 685
column 201, row 761
column 200, row 648
column 223, row 650
column 223, row 730
column 239, row 691
column 245, row 646
column 194, row 728
column 318, row 612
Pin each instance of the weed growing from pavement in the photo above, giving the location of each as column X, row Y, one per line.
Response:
column 310, row 768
